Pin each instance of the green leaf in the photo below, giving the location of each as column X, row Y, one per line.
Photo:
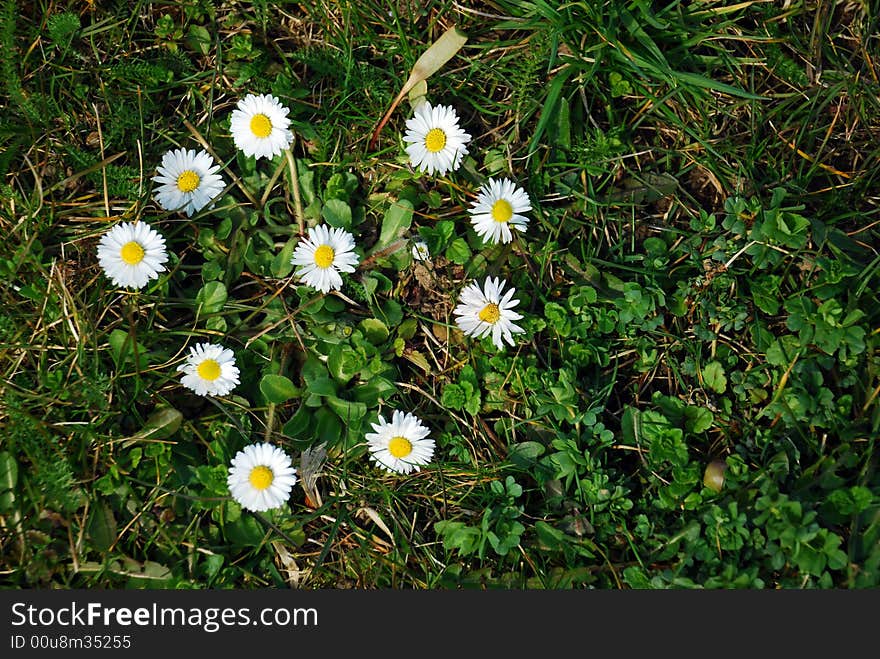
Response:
column 322, row 386
column 281, row 265
column 473, row 403
column 458, row 535
column 375, row 330
column 198, row 39
column 765, row 293
column 329, row 427
column 278, row 388
column 395, row 223
column 161, row 424
column 8, row 481
column 337, row 213
column 102, row 527
column 713, row 377
column 245, row 532
column 211, row 297
column 374, row 391
column 630, row 424
column 458, row 251
column 698, row 419
column 297, row 426
column 783, row 351
column 211, row 270
column 348, row 411
column 408, row 328
column 344, row 363
column 418, row 359
column 525, row 453
column 391, row 312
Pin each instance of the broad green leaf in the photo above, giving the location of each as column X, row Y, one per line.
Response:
column 347, row 410
column 562, row 136
column 418, row 359
column 102, row 527
column 161, row 424
column 344, row 363
column 211, row 297
column 281, row 265
column 210, row 565
column 211, row 270
column 199, row 39
column 457, row 535
column 395, row 223
column 329, row 427
column 374, row 391
column 630, row 424
column 458, row 251
column 526, row 451
column 245, row 532
column 408, row 328
column 278, row 388
column 713, row 376
column 337, row 213
column 698, row 419
column 375, row 330
column 298, row 425
column 322, row 386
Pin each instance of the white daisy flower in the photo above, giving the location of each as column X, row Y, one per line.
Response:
column 259, row 126
column 323, row 255
column 261, row 477
column 483, row 312
column 420, row 251
column 188, row 180
column 132, row 254
column 498, row 209
column 209, row 370
column 436, row 143
column 401, row 446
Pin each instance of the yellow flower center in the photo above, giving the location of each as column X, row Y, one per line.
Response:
column 132, row 253
column 490, row 313
column 324, row 256
column 399, row 447
column 188, row 181
column 261, row 125
column 435, row 140
column 261, row 477
column 502, row 211
column 209, row 370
